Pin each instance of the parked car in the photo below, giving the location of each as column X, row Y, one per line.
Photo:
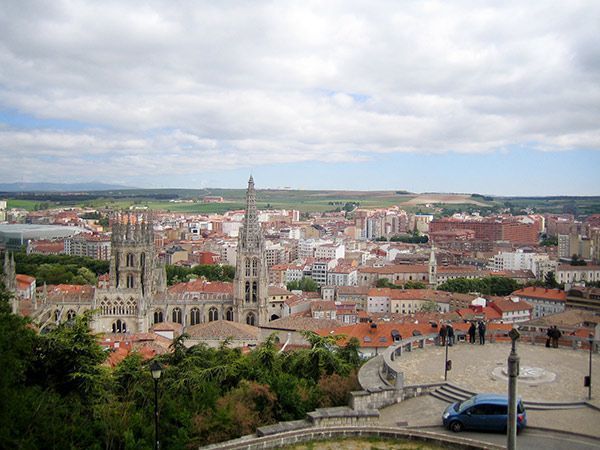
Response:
column 487, row 412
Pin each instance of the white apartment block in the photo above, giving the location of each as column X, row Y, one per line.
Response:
column 330, row 251
column 378, row 304
column 97, row 247
column 518, row 261
column 342, row 276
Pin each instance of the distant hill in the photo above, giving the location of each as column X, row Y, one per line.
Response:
column 59, row 187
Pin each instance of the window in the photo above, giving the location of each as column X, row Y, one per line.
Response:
column 158, row 316
column 213, row 314
column 194, row 316
column 70, row 315
column 251, row 319
column 119, row 326
column 130, row 260
column 229, row 314
column 176, row 315
column 130, row 282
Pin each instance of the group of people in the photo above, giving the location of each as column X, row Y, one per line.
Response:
column 553, row 335
column 446, row 333
column 480, row 327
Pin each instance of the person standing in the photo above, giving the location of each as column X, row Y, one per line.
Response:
column 556, row 334
column 481, row 329
column 443, row 335
column 472, row 329
column 450, row 331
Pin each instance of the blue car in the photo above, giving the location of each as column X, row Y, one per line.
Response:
column 487, row 412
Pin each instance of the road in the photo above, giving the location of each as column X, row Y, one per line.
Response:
column 532, row 439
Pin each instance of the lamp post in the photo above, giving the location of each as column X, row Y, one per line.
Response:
column 513, row 373
column 589, row 383
column 156, row 370
column 446, row 365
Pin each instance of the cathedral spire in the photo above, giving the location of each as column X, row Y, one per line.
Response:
column 251, row 232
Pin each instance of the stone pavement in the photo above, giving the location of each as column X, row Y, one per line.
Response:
column 473, row 364
column 426, row 411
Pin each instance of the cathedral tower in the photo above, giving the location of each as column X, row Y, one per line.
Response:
column 132, row 279
column 251, row 279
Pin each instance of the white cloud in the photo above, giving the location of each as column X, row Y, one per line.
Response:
column 186, row 87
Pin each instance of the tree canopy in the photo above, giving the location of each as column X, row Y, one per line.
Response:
column 56, row 393
column 489, row 285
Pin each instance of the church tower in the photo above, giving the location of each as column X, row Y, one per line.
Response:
column 251, row 279
column 132, row 278
column 433, row 268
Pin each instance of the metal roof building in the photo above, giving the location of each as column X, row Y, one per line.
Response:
column 13, row 236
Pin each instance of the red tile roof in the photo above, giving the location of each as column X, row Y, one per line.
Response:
column 541, row 293
column 202, row 286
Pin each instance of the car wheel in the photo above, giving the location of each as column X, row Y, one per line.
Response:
column 456, row 426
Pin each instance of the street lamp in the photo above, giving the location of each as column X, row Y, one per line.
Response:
column 447, row 363
column 589, row 378
column 513, row 373
column 156, row 370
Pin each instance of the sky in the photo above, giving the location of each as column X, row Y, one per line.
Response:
column 426, row 96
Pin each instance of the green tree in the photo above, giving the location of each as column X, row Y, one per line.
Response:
column 550, row 280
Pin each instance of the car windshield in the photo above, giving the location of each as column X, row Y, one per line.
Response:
column 461, row 406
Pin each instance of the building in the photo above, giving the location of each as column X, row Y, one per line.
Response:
column 544, row 301
column 136, row 297
column 15, row 236
column 568, row 274
column 3, row 210
column 512, row 310
column 517, row 230
column 90, row 245
column 518, row 260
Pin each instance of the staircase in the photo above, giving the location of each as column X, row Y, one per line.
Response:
column 451, row 393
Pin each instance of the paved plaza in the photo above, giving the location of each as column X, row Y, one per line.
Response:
column 550, row 374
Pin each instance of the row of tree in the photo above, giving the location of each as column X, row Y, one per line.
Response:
column 488, row 285
column 60, row 269
column 56, row 393
column 212, row 272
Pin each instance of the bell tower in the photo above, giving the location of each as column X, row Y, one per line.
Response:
column 251, row 279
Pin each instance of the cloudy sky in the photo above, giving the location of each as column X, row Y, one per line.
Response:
column 497, row 97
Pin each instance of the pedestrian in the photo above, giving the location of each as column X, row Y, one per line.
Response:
column 556, row 334
column 450, row 332
column 549, row 333
column 481, row 328
column 443, row 335
column 472, row 329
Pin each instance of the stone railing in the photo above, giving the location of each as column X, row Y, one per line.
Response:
column 360, row 432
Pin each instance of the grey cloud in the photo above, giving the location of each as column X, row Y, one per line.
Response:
column 271, row 82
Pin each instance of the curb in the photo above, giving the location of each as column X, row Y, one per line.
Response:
column 570, row 433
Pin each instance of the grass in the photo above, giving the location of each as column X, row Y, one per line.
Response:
column 371, row 442
column 29, row 205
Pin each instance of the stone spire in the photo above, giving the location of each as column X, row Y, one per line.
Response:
column 432, row 268
column 251, row 277
column 251, row 235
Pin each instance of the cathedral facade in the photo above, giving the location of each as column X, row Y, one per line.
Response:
column 135, row 296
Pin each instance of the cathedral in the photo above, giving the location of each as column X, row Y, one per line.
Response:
column 135, row 295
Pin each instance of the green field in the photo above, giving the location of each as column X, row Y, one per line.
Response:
column 306, row 201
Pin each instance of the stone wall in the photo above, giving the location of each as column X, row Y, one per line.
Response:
column 336, row 433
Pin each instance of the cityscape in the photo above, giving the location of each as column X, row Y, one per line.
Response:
column 299, row 225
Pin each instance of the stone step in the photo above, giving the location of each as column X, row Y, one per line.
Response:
column 550, row 406
column 449, row 387
column 444, row 397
